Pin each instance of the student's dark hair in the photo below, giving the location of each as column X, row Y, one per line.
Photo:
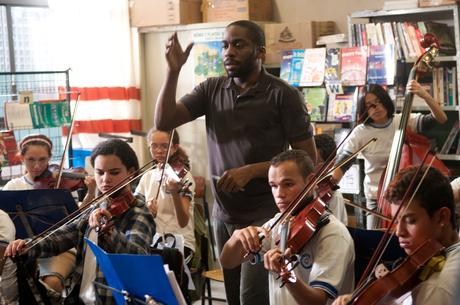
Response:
column 180, row 155
column 326, row 145
column 300, row 157
column 434, row 193
column 383, row 97
column 119, row 148
column 255, row 31
column 35, row 139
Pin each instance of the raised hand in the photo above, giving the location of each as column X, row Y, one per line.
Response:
column 175, row 55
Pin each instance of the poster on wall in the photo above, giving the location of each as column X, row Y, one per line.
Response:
column 207, row 54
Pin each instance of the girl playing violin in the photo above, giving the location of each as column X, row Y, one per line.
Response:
column 381, row 124
column 173, row 210
column 326, row 262
column 35, row 152
column 128, row 231
column 430, row 215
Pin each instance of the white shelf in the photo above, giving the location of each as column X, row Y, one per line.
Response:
column 404, row 12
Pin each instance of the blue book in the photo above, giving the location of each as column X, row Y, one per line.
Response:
column 296, row 66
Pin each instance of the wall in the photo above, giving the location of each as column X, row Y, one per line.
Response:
column 321, row 10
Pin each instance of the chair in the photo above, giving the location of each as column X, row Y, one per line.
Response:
column 200, row 193
column 206, row 274
column 209, row 275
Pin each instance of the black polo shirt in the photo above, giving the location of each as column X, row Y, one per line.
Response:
column 248, row 128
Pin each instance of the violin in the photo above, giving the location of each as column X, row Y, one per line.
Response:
column 120, row 204
column 396, row 283
column 71, row 180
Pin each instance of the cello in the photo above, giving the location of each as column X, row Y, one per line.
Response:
column 409, row 148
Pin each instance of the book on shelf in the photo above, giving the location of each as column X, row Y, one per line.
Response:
column 285, row 67
column 446, row 147
column 342, row 107
column 316, row 102
column 297, row 63
column 8, row 149
column 313, row 67
column 353, row 66
column 332, row 71
column 405, row 35
column 381, row 65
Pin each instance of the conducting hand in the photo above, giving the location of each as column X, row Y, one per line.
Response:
column 175, row 56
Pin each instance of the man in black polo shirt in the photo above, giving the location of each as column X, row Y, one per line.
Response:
column 251, row 116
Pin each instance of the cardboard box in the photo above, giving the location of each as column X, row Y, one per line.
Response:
column 164, row 12
column 428, row 3
column 289, row 36
column 232, row 10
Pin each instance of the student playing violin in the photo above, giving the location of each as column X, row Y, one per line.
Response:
column 173, row 210
column 430, row 215
column 326, row 262
column 35, row 152
column 128, row 231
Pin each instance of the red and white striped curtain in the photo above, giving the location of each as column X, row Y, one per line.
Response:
column 95, row 40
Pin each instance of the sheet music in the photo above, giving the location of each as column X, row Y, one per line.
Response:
column 175, row 286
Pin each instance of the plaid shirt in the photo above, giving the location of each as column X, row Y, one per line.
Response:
column 131, row 233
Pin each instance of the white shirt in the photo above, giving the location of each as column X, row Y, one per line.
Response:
column 326, row 262
column 441, row 287
column 337, row 207
column 166, row 219
column 377, row 153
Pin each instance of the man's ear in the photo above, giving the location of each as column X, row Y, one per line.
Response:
column 444, row 216
column 262, row 52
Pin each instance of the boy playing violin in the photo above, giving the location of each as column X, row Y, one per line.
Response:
column 325, row 266
column 127, row 231
column 430, row 215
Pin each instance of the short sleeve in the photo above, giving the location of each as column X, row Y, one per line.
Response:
column 330, row 267
column 295, row 117
column 196, row 101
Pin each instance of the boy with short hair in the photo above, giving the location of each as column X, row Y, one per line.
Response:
column 325, row 266
column 430, row 215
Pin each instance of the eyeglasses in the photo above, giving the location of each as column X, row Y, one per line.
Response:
column 160, row 146
column 32, row 161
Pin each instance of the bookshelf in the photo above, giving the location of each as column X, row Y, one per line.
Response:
column 447, row 61
column 442, row 14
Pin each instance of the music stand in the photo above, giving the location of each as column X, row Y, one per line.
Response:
column 133, row 277
column 34, row 211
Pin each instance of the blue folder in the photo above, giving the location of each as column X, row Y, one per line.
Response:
column 139, row 275
column 34, row 211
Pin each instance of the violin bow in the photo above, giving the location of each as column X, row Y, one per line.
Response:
column 171, row 135
column 405, row 203
column 325, row 170
column 67, row 142
column 93, row 203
